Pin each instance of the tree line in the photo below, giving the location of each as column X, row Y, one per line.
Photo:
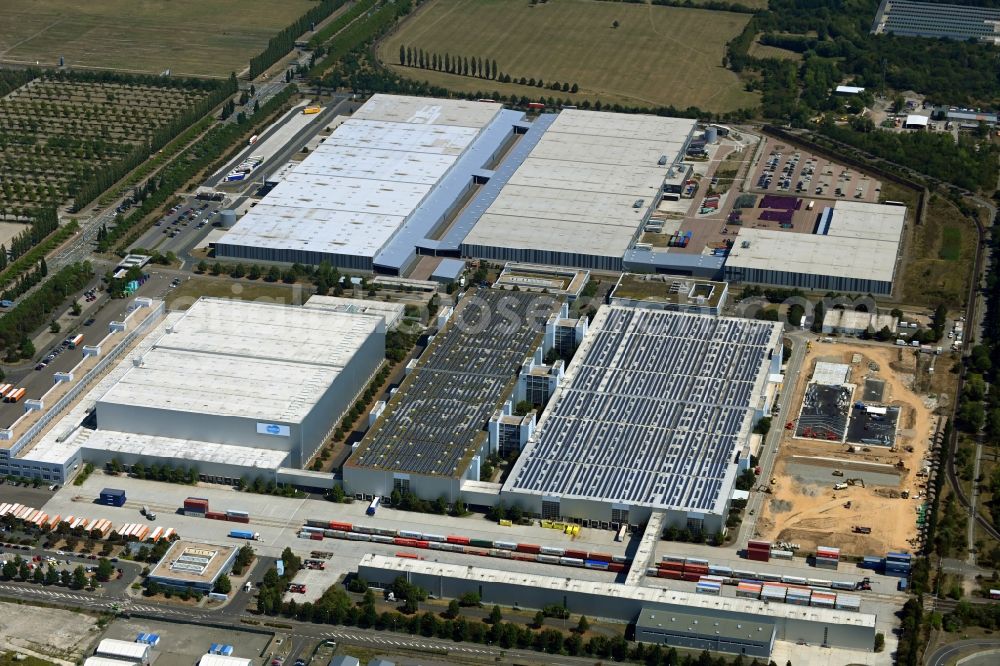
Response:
column 360, row 33
column 20, row 322
column 466, row 66
column 279, row 45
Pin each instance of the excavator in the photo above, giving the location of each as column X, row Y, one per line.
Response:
column 856, row 482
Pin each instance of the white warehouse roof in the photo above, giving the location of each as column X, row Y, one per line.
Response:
column 862, row 243
column 392, row 313
column 106, row 661
column 916, row 120
column 112, row 647
column 576, row 191
column 352, row 194
column 674, row 392
column 653, row 595
column 222, row 660
column 240, row 358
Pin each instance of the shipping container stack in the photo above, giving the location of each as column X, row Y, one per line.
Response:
column 823, row 599
column 112, row 497
column 872, row 562
column 759, row 551
column 898, row 564
column 798, row 595
column 196, row 506
column 748, row 590
column 694, row 569
column 827, row 558
column 782, row 554
column 851, row 602
column 708, row 587
column 671, row 567
column 235, row 516
column 773, row 592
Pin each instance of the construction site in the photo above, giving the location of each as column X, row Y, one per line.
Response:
column 851, row 468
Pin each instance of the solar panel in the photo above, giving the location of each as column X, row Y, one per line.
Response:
column 653, row 413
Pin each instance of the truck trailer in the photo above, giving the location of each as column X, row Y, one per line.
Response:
column 245, row 534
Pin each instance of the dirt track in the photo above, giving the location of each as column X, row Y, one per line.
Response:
column 809, row 513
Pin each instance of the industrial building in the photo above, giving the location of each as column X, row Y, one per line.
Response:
column 726, row 619
column 232, row 388
column 583, row 193
column 195, row 566
column 853, row 248
column 851, row 322
column 354, row 201
column 933, row 20
column 391, row 313
column 677, row 394
column 112, row 648
column 432, row 434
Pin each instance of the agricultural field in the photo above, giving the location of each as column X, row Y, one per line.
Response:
column 188, row 37
column 57, row 135
column 656, row 56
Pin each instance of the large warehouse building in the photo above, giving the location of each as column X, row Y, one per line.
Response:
column 584, row 192
column 378, row 185
column 655, row 412
column 722, row 624
column 432, row 434
column 408, row 176
column 854, row 248
column 234, row 388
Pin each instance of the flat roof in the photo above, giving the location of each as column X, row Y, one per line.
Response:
column 119, row 648
column 934, row 20
column 245, row 359
column 352, row 194
column 675, row 392
column 192, row 562
column 862, row 243
column 669, row 289
column 652, row 595
column 390, row 312
column 913, row 119
column 850, row 90
column 577, row 189
column 223, row 660
column 700, row 623
column 437, row 418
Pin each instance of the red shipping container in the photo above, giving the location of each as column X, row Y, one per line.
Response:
column 672, row 575
column 528, row 548
column 617, row 568
column 673, row 566
column 400, row 541
column 758, row 555
column 316, row 536
column 579, row 554
column 464, row 541
column 238, row 519
column 344, row 527
column 694, row 578
column 600, row 557
column 759, row 544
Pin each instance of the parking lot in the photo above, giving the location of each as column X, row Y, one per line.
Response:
column 873, row 428
column 786, row 169
column 185, row 644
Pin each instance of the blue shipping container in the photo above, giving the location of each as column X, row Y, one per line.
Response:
column 112, row 497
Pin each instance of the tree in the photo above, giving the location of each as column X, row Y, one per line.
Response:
column 65, row 577
column 818, row 313
column 402, row 54
column 615, row 24
column 51, row 575
column 453, row 609
column 23, row 572
column 539, row 620
column 79, row 578
column 495, row 615
column 583, row 625
column 105, row 569
column 879, row 641
column 54, row 327
column 223, row 585
column 202, row 266
column 152, row 588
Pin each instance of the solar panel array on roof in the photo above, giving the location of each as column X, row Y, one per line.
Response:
column 441, row 410
column 652, row 412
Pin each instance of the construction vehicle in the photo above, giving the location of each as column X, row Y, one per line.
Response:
column 847, row 504
column 858, row 529
column 863, row 584
column 840, row 486
column 856, row 482
column 905, row 494
column 837, row 472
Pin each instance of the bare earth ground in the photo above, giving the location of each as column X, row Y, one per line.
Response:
column 811, row 514
column 656, row 56
column 186, row 36
column 48, row 633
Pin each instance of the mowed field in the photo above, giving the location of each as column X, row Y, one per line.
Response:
column 657, row 56
column 188, row 37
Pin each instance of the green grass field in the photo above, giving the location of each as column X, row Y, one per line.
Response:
column 938, row 257
column 657, row 56
column 951, row 244
column 758, row 50
column 187, row 37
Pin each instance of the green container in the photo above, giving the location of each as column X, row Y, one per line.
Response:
column 480, row 543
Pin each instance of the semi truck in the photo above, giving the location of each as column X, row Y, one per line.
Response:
column 245, row 534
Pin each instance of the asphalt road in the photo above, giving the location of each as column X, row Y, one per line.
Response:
column 949, row 653
column 115, row 588
column 770, row 451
